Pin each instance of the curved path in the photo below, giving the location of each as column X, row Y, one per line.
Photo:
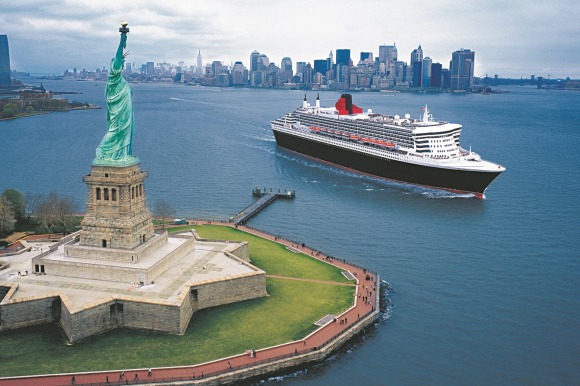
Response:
column 366, row 302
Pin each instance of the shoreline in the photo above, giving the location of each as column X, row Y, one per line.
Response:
column 312, row 349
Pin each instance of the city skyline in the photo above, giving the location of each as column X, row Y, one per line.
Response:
column 45, row 38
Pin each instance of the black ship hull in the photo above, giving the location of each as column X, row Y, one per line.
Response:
column 464, row 181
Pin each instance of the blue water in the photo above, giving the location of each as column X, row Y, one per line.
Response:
column 487, row 291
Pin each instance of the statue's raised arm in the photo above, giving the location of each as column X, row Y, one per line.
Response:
column 116, row 145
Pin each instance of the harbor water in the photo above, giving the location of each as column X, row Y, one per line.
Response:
column 486, row 291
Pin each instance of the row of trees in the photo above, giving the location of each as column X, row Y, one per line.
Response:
column 51, row 212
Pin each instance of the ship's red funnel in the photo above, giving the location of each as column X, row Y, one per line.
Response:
column 345, row 105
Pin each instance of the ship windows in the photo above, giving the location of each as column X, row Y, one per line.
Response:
column 98, row 193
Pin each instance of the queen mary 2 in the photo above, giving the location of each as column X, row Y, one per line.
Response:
column 417, row 151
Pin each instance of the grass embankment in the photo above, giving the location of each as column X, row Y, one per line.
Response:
column 287, row 314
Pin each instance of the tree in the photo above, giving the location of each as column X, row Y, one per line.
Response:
column 56, row 212
column 9, row 110
column 31, row 204
column 16, row 200
column 163, row 211
column 7, row 219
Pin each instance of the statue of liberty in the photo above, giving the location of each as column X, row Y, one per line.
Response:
column 116, row 145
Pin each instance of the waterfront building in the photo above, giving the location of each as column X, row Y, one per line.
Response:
column 342, row 75
column 5, row 81
column 462, row 67
column 436, row 71
column 426, row 72
column 256, row 78
column 300, row 67
column 388, row 57
column 446, row 78
column 308, row 74
column 417, row 68
column 239, row 74
column 216, row 68
column 286, row 73
column 416, row 57
column 401, row 74
column 150, row 68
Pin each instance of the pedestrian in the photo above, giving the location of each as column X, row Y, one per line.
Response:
column 202, row 373
column 149, row 373
column 122, row 373
column 107, row 379
column 136, row 378
column 72, row 380
column 345, row 320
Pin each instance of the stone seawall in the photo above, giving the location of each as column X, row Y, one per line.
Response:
column 272, row 365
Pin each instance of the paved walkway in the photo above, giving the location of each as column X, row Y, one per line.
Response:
column 366, row 301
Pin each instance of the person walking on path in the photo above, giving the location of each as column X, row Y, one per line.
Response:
column 149, row 372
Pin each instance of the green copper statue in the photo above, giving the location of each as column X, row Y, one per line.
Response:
column 116, row 145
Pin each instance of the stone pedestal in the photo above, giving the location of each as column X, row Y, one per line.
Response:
column 117, row 217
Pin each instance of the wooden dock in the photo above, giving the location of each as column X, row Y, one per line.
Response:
column 265, row 198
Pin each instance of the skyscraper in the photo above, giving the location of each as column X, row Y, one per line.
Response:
column 254, row 56
column 321, row 66
column 343, row 56
column 300, row 67
column 4, row 62
column 436, row 75
column 239, row 74
column 199, row 68
column 417, row 55
column 388, row 55
column 414, row 74
column 263, row 62
column 366, row 56
column 286, row 73
column 462, row 66
column 426, row 72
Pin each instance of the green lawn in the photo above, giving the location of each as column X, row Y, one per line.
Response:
column 272, row 257
column 287, row 314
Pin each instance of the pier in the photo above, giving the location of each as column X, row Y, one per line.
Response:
column 265, row 198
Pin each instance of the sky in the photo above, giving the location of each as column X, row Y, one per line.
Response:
column 511, row 38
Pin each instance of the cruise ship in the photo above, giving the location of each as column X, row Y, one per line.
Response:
column 417, row 151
